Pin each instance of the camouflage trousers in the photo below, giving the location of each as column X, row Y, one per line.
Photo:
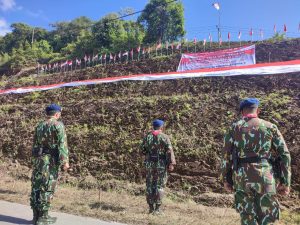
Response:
column 43, row 182
column 255, row 208
column 156, row 180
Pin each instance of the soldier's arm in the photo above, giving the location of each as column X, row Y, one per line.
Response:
column 35, row 139
column 62, row 145
column 226, row 160
column 170, row 152
column 143, row 149
column 280, row 146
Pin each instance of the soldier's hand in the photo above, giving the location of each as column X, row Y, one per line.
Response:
column 171, row 167
column 66, row 166
column 283, row 190
column 228, row 187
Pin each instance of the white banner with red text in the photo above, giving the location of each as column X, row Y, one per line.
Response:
column 242, row 56
column 257, row 69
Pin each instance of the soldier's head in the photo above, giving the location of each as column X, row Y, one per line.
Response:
column 54, row 111
column 158, row 124
column 249, row 106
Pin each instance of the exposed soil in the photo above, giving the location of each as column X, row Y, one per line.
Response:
column 105, row 123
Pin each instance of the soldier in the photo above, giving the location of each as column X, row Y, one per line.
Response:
column 49, row 153
column 159, row 157
column 247, row 157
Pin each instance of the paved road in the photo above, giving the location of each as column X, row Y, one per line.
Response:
column 12, row 213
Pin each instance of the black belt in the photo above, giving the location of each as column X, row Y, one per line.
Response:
column 37, row 152
column 155, row 158
column 252, row 159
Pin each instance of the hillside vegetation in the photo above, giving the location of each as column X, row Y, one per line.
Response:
column 105, row 123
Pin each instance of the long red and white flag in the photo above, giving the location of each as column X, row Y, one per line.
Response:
column 254, row 70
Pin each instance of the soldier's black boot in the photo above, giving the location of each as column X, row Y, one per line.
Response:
column 45, row 219
column 35, row 216
column 158, row 209
column 151, row 208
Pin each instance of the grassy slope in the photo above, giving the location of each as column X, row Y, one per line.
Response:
column 124, row 204
column 106, row 122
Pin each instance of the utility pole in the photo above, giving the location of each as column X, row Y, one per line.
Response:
column 219, row 26
column 216, row 5
column 32, row 38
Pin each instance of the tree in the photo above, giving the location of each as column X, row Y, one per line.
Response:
column 163, row 21
column 68, row 32
column 18, row 59
column 113, row 34
column 21, row 33
column 277, row 37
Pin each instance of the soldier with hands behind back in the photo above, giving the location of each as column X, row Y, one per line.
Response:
column 49, row 154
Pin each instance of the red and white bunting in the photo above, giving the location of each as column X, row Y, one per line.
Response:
column 257, row 69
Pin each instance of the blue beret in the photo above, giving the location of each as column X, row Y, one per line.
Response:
column 249, row 102
column 158, row 123
column 53, row 107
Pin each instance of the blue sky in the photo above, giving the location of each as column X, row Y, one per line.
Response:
column 200, row 17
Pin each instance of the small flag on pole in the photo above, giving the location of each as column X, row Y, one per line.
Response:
column 261, row 33
column 240, row 35
column 158, row 46
column 251, row 32
column 274, row 28
column 228, row 36
column 131, row 54
column 216, row 5
column 284, row 28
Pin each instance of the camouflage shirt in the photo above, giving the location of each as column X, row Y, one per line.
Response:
column 51, row 134
column 254, row 137
column 157, row 148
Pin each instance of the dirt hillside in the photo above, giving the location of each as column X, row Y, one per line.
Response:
column 105, row 123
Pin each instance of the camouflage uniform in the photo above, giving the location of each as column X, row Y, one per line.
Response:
column 49, row 134
column 254, row 183
column 157, row 148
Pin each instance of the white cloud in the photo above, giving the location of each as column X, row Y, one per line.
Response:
column 4, row 28
column 7, row 4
